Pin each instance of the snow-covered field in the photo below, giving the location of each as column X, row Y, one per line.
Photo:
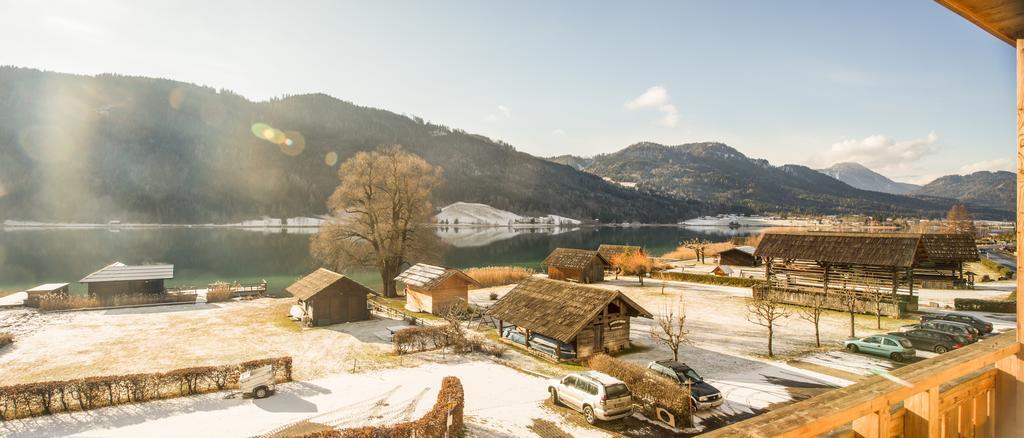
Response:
column 467, row 213
column 499, row 402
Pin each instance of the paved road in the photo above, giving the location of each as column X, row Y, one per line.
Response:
column 1003, row 258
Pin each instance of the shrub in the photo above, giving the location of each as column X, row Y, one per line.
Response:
column 998, row 306
column 423, row 338
column 43, row 398
column 649, row 390
column 450, row 400
column 6, row 338
column 493, row 296
column 707, row 279
column 73, row 302
column 219, row 292
column 499, row 275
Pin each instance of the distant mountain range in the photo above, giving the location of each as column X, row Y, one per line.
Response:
column 92, row 149
column 718, row 174
column 863, row 178
column 991, row 189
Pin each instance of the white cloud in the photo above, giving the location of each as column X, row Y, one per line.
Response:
column 559, row 132
column 657, row 97
column 895, row 159
column 503, row 113
column 990, row 165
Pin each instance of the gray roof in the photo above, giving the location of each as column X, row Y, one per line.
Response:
column 118, row 271
column 747, row 249
column 48, row 287
column 427, row 277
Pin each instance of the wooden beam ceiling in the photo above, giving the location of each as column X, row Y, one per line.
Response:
column 1002, row 18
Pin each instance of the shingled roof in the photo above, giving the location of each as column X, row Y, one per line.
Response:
column 428, row 277
column 609, row 251
column 118, row 271
column 319, row 280
column 571, row 258
column 878, row 249
column 556, row 308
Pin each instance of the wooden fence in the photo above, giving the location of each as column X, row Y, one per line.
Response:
column 864, row 304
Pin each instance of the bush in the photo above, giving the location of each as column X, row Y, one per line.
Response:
column 43, row 398
column 493, row 296
column 707, row 279
column 649, row 390
column 73, row 302
column 499, row 275
column 219, row 292
column 985, row 305
column 1004, row 272
column 5, row 339
column 423, row 338
column 451, row 399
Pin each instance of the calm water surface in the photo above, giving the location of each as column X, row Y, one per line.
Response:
column 201, row 255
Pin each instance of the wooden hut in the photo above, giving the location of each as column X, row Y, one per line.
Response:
column 327, row 297
column 801, row 264
column 611, row 251
column 566, row 320
column 118, row 279
column 739, row 256
column 33, row 295
column 577, row 265
column 432, row 289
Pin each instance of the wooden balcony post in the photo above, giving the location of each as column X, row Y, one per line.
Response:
column 922, row 419
column 1009, row 385
column 869, row 426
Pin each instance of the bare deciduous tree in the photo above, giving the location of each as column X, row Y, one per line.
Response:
column 382, row 214
column 698, row 246
column 765, row 312
column 848, row 296
column 633, row 263
column 669, row 328
column 812, row 314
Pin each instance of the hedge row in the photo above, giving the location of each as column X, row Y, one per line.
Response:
column 985, row 305
column 650, row 390
column 707, row 279
column 424, row 338
column 51, row 302
column 44, row 398
column 451, row 399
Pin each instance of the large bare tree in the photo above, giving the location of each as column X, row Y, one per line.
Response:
column 766, row 311
column 669, row 328
column 382, row 214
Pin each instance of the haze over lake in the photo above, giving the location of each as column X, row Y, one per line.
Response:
column 202, row 255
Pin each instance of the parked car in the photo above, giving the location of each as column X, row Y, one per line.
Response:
column 953, row 328
column 597, row 395
column 981, row 325
column 702, row 394
column 933, row 340
column 894, row 347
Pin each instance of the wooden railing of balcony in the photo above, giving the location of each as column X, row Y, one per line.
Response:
column 954, row 394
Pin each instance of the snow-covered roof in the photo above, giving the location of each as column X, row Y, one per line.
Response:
column 427, row 277
column 118, row 271
column 48, row 287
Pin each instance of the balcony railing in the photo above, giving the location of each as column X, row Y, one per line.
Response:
column 955, row 394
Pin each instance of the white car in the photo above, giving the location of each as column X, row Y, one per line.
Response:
column 597, row 395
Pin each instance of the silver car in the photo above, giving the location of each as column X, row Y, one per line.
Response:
column 597, row 395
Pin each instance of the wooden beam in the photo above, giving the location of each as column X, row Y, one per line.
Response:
column 922, row 419
column 971, row 16
column 868, row 426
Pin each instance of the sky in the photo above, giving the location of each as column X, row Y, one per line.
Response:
column 905, row 87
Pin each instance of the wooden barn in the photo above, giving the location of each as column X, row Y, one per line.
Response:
column 801, row 264
column 327, row 297
column 577, row 265
column 432, row 289
column 118, row 279
column 33, row 295
column 566, row 320
column 739, row 256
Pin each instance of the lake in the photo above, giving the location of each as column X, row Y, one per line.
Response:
column 31, row 256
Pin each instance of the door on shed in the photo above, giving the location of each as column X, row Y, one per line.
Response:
column 337, row 309
column 355, row 309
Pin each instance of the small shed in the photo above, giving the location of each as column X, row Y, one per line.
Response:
column 579, row 265
column 556, row 318
column 432, row 289
column 34, row 294
column 739, row 256
column 118, row 279
column 328, row 297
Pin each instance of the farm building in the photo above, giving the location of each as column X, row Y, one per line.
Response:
column 432, row 289
column 610, row 251
column 566, row 320
column 34, row 294
column 577, row 265
column 719, row 271
column 327, row 297
column 739, row 256
column 801, row 264
column 118, row 278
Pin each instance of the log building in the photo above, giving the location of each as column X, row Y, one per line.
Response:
column 327, row 297
column 739, row 256
column 579, row 265
column 120, row 279
column 566, row 320
column 433, row 289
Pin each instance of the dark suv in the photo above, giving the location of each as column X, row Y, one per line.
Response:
column 973, row 321
column 702, row 394
column 933, row 340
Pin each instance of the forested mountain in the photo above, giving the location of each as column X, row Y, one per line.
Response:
column 578, row 163
column 80, row 148
column 717, row 173
column 859, row 176
column 990, row 189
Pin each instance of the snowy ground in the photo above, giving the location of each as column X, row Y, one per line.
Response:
column 500, row 402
